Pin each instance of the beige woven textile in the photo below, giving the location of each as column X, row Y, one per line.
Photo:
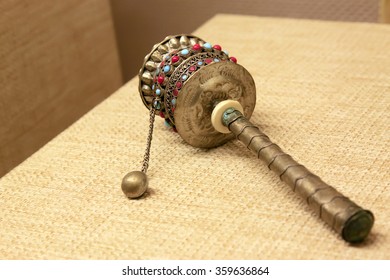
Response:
column 323, row 95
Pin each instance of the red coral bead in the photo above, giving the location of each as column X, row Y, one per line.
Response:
column 160, row 79
column 196, row 47
column 175, row 59
column 232, row 58
column 217, row 47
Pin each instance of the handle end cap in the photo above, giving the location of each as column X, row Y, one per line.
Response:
column 357, row 227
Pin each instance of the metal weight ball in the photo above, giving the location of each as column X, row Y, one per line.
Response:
column 134, row 184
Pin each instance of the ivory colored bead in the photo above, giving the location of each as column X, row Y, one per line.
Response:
column 216, row 116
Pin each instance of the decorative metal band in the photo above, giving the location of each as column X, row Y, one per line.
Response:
column 183, row 72
column 169, row 65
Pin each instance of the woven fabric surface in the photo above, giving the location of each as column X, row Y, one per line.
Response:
column 323, row 94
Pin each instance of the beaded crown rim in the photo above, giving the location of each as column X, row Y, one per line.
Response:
column 169, row 65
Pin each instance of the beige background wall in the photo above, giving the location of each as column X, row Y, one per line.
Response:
column 384, row 14
column 140, row 24
column 57, row 60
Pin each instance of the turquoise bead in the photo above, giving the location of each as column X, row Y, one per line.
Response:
column 216, row 60
column 173, row 101
column 207, row 46
column 158, row 91
column 185, row 52
column 157, row 105
column 184, row 77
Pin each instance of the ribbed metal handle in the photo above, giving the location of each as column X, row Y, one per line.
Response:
column 343, row 215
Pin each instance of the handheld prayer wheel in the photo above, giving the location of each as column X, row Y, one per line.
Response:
column 204, row 95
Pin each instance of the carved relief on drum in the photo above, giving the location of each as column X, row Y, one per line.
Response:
column 216, row 82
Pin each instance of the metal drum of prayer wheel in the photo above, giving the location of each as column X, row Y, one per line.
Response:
column 203, row 94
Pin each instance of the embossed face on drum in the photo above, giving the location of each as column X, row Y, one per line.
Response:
column 216, row 82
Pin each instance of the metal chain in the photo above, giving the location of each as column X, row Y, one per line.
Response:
column 145, row 163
